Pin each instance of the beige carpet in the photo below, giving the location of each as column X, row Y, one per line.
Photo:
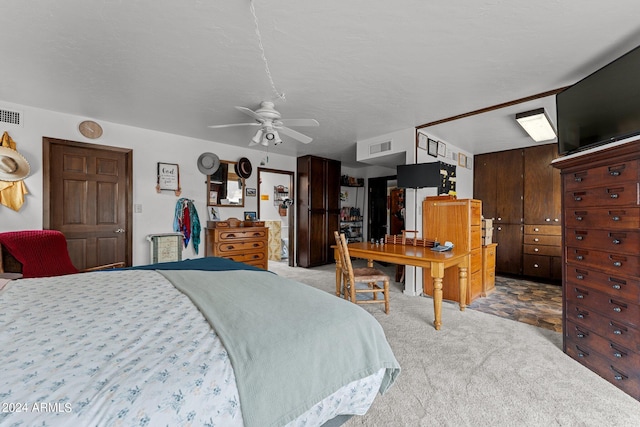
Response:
column 479, row 369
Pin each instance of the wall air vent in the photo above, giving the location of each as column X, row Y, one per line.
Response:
column 11, row 117
column 380, row 148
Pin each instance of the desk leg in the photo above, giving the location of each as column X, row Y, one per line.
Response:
column 336, row 255
column 437, row 273
column 463, row 287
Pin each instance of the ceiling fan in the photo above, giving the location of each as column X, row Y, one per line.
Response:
column 270, row 122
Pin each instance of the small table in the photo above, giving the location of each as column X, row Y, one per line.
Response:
column 416, row 256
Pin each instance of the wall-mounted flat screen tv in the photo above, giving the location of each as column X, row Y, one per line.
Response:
column 601, row 108
column 418, row 175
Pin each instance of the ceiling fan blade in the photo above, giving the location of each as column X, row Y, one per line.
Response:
column 295, row 134
column 299, row 122
column 234, row 125
column 251, row 113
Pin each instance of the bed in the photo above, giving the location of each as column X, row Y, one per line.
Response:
column 198, row 342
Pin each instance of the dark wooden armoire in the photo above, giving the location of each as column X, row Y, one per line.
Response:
column 318, row 209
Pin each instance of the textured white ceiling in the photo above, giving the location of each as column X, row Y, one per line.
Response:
column 361, row 68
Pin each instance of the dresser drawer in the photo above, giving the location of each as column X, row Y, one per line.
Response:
column 626, row 358
column 616, row 309
column 538, row 239
column 605, row 240
column 611, row 370
column 616, row 286
column 621, row 264
column 476, row 237
column 615, row 331
column 543, row 250
column 247, row 258
column 542, row 266
column 615, row 195
column 236, row 234
column 613, row 174
column 552, row 230
column 614, row 218
column 231, row 246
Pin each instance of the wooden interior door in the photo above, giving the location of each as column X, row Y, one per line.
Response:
column 87, row 196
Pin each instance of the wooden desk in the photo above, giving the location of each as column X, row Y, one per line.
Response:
column 436, row 262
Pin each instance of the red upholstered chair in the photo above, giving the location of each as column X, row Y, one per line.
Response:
column 38, row 253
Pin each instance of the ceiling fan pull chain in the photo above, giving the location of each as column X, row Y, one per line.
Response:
column 264, row 57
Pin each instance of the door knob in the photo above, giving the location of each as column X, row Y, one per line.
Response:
column 119, row 230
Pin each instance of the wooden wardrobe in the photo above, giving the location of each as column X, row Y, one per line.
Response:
column 318, row 209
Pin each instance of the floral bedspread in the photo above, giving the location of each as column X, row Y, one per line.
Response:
column 123, row 348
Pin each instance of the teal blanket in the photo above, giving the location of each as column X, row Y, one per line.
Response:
column 290, row 345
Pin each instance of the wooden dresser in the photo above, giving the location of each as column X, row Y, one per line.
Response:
column 242, row 244
column 488, row 268
column 601, row 235
column 460, row 222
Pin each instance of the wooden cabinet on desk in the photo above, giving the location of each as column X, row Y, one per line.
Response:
column 460, row 222
column 242, row 244
column 601, row 301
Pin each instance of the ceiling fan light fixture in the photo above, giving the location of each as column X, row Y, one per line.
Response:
column 537, row 124
column 276, row 139
column 257, row 138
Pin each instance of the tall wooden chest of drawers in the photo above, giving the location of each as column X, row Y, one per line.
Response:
column 242, row 244
column 601, row 283
column 460, row 222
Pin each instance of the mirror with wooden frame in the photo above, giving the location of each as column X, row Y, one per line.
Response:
column 225, row 187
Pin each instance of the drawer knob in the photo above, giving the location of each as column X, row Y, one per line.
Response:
column 616, row 287
column 577, row 179
column 616, row 241
column 616, row 218
column 536, row 265
column 617, row 332
column 548, row 219
column 579, row 218
column 536, row 240
column 536, row 249
column 536, row 229
column 580, row 316
column 579, row 237
column 580, row 277
column 617, row 309
column 618, row 377
column 580, row 296
column 580, row 335
column 577, row 199
column 617, row 354
column 614, row 173
column 613, row 196
column 579, row 257
column 617, row 264
column 581, row 355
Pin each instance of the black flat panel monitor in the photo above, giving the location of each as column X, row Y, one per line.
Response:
column 418, row 175
column 601, row 108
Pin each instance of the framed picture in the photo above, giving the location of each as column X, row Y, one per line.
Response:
column 422, row 141
column 462, row 160
column 442, row 149
column 250, row 216
column 168, row 176
column 214, row 213
column 469, row 162
column 250, row 192
column 213, row 197
column 433, row 147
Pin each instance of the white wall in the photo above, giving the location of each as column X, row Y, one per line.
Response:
column 149, row 147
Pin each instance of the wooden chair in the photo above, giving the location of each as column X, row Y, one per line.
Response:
column 351, row 276
column 38, row 253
